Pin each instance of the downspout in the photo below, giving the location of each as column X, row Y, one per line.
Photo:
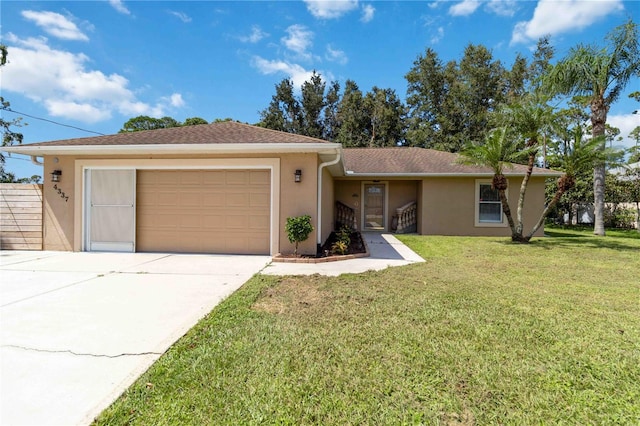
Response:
column 319, row 224
column 34, row 160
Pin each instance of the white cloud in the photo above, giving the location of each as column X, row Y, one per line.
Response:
column 176, row 100
column 330, row 9
column 299, row 39
column 61, row 81
column 70, row 109
column 256, row 35
column 437, row 36
column 336, row 55
column 464, row 8
column 182, row 16
column 554, row 17
column 626, row 123
column 367, row 13
column 502, row 7
column 55, row 24
column 293, row 71
column 119, row 6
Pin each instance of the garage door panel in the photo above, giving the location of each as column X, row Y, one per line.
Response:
column 259, row 177
column 237, row 222
column 237, row 177
column 187, row 199
column 257, row 223
column 259, row 200
column 213, row 179
column 213, row 200
column 204, row 211
column 190, row 177
column 237, row 200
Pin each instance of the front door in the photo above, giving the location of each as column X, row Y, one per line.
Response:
column 110, row 210
column 374, row 203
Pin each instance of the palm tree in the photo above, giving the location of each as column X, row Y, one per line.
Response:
column 530, row 117
column 499, row 150
column 574, row 156
column 599, row 75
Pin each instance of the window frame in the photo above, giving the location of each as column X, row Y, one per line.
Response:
column 477, row 203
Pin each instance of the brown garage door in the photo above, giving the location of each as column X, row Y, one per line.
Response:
column 203, row 211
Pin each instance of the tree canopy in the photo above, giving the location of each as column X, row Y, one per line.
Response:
column 353, row 118
column 144, row 122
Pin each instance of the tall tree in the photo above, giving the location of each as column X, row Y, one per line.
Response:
column 9, row 137
column 449, row 104
column 313, row 103
column 599, row 75
column 426, row 93
column 284, row 112
column 352, row 117
column 332, row 102
column 385, row 112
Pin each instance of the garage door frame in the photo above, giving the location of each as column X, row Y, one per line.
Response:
column 271, row 164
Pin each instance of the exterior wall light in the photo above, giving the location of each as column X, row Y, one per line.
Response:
column 55, row 175
column 298, row 176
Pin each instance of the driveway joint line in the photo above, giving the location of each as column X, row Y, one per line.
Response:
column 100, row 275
column 68, row 351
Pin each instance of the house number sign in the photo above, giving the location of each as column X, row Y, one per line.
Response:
column 64, row 196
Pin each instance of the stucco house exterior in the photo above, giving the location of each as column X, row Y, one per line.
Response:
column 228, row 188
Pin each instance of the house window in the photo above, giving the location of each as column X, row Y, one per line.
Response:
column 488, row 205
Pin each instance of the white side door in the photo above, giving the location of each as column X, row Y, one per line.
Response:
column 110, row 210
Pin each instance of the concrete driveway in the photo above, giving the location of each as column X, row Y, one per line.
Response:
column 76, row 329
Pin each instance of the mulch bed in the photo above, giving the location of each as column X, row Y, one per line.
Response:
column 357, row 249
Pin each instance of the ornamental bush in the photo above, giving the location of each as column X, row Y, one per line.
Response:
column 298, row 229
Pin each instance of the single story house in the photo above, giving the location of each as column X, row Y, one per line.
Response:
column 229, row 187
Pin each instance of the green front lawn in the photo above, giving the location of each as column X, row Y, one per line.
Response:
column 483, row 332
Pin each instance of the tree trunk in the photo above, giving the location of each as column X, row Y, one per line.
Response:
column 523, row 189
column 506, row 210
column 545, row 212
column 598, row 120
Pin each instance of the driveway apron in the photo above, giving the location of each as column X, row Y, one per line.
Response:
column 76, row 329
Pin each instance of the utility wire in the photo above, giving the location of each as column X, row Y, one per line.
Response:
column 51, row 121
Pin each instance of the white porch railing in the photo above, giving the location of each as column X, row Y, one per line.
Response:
column 345, row 216
column 407, row 217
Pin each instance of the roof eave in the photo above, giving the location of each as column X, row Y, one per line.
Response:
column 158, row 149
column 458, row 174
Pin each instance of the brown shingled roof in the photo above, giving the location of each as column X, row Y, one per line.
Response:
column 406, row 160
column 216, row 133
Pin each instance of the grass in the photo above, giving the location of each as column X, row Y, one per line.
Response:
column 483, row 332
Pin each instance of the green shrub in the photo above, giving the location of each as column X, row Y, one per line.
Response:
column 339, row 247
column 298, row 229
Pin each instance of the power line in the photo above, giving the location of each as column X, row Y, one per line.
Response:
column 51, row 121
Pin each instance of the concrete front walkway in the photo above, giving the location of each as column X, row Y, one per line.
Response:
column 385, row 249
column 76, row 329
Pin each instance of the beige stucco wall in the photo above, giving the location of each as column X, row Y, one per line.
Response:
column 298, row 199
column 58, row 211
column 328, row 197
column 63, row 219
column 448, row 207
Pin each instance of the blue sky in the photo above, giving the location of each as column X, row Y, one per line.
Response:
column 95, row 64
